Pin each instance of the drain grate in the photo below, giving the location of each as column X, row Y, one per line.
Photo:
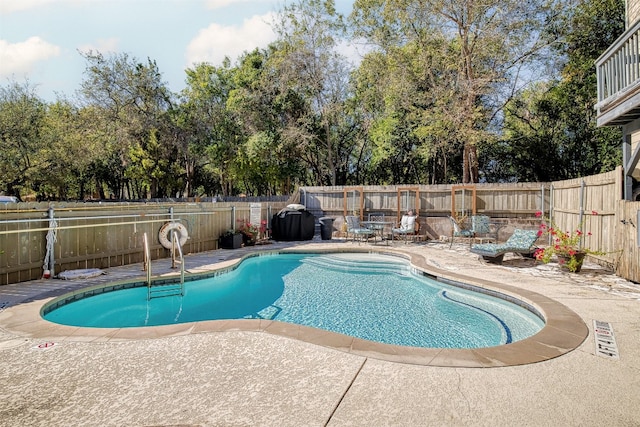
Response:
column 605, row 340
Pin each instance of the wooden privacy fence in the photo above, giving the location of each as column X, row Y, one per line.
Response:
column 516, row 203
column 590, row 204
column 594, row 204
column 109, row 234
column 595, row 201
column 627, row 236
column 504, row 200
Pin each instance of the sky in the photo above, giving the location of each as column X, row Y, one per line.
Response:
column 40, row 40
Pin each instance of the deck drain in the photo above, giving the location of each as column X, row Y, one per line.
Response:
column 605, row 340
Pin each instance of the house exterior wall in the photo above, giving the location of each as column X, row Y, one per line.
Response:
column 633, row 12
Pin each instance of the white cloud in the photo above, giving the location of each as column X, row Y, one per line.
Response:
column 219, row 4
column 102, row 45
column 21, row 57
column 216, row 41
column 9, row 6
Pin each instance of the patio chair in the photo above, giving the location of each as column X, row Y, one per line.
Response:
column 407, row 228
column 358, row 230
column 419, row 234
column 481, row 227
column 458, row 231
column 521, row 242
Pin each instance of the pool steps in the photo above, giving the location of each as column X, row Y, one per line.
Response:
column 160, row 288
column 372, row 266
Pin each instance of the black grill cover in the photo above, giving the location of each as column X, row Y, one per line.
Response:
column 291, row 225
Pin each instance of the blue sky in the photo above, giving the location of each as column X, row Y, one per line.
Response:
column 40, row 39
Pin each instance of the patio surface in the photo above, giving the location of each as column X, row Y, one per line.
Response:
column 226, row 374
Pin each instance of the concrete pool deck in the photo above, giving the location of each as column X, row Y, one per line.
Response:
column 212, row 375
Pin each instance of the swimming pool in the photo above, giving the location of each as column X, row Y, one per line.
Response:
column 370, row 296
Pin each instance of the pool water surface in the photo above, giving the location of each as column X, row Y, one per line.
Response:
column 370, row 296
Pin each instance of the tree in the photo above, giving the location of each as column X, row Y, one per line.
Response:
column 533, row 143
column 135, row 102
column 550, row 130
column 21, row 116
column 214, row 134
column 269, row 162
column 307, row 64
column 72, row 144
column 405, row 92
column 591, row 28
column 490, row 41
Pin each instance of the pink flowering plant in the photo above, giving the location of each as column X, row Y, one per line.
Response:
column 251, row 231
column 565, row 245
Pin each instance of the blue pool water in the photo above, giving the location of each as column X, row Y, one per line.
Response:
column 370, row 296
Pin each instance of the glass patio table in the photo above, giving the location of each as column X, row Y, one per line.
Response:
column 378, row 228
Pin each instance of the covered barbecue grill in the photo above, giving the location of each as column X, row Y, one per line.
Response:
column 293, row 223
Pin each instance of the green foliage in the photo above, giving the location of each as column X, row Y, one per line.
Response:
column 72, row 146
column 21, row 117
column 461, row 57
column 440, row 96
column 218, row 136
column 135, row 102
column 550, row 129
column 307, row 64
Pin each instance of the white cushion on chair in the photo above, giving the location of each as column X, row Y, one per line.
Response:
column 411, row 223
column 407, row 224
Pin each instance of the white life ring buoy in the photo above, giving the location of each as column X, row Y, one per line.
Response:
column 164, row 235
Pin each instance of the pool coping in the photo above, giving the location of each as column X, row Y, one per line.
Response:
column 563, row 332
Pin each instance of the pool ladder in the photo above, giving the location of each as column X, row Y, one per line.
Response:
column 164, row 289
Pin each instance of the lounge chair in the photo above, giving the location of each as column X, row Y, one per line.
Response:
column 358, row 231
column 407, row 228
column 521, row 242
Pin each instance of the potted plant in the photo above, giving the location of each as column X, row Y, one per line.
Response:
column 565, row 245
column 230, row 239
column 249, row 233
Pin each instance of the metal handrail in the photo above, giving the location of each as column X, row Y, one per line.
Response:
column 147, row 263
column 71, row 227
column 76, row 218
column 85, row 218
column 176, row 243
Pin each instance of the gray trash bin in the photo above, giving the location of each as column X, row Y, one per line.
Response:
column 326, row 227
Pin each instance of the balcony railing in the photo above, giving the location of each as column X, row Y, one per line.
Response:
column 618, row 73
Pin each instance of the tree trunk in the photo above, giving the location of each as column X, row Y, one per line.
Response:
column 470, row 164
column 473, row 163
column 466, row 176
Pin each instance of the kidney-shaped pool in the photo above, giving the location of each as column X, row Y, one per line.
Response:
column 370, row 296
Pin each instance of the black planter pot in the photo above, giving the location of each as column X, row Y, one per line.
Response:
column 232, row 241
column 248, row 240
column 566, row 259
